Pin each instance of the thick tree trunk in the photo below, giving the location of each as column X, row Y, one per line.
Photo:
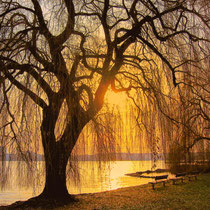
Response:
column 56, row 159
column 57, row 152
column 55, row 183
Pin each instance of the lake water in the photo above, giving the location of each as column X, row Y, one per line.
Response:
column 18, row 183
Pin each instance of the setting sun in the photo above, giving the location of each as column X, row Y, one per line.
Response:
column 116, row 99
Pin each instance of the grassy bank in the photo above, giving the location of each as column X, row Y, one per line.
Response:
column 189, row 195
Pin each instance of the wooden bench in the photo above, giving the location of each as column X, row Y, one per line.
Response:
column 178, row 176
column 159, row 179
column 192, row 175
column 181, row 176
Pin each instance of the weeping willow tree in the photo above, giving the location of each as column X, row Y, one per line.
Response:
column 58, row 59
column 191, row 118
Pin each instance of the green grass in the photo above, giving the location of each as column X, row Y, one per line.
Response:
column 189, row 195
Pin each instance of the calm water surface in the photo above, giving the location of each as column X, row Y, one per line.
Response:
column 18, row 183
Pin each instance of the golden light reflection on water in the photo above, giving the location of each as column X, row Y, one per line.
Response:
column 111, row 176
column 95, row 177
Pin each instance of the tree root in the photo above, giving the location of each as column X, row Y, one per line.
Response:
column 41, row 201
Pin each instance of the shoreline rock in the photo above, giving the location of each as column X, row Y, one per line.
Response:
column 139, row 173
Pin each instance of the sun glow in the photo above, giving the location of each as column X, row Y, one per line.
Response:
column 118, row 100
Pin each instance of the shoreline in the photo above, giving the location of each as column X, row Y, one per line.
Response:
column 188, row 195
column 141, row 174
